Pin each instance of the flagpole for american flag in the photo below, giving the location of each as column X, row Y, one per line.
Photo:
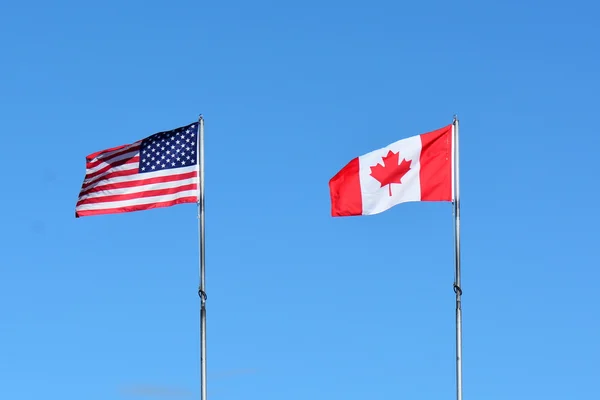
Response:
column 457, row 287
column 201, row 286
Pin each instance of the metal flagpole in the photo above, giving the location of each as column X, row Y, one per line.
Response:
column 457, row 287
column 201, row 286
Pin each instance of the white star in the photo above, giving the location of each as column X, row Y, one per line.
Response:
column 187, row 140
column 148, row 163
column 192, row 152
column 178, row 142
column 158, row 162
column 193, row 143
column 192, row 135
column 162, row 157
column 183, row 162
column 144, row 152
column 153, row 158
column 172, row 147
column 143, row 168
column 153, row 167
column 168, row 151
column 187, row 148
column 188, row 131
column 178, row 158
column 173, row 164
column 163, row 165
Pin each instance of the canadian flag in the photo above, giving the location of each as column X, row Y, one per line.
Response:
column 418, row 168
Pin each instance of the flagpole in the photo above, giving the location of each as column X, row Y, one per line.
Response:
column 457, row 285
column 201, row 286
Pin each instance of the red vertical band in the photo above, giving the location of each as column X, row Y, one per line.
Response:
column 436, row 165
column 344, row 189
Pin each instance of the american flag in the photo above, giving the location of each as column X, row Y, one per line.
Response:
column 158, row 171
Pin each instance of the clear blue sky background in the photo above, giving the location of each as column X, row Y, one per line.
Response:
column 301, row 305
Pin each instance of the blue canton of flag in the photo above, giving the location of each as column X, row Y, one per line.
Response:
column 170, row 149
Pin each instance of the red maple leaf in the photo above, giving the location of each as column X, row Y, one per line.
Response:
column 391, row 171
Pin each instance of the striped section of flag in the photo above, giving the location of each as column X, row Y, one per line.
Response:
column 158, row 171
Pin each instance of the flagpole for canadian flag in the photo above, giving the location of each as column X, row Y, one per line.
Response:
column 457, row 287
column 202, row 285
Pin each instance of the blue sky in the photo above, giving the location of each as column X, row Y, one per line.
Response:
column 301, row 305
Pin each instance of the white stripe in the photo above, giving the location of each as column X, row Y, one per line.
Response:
column 143, row 175
column 105, row 164
column 135, row 202
column 124, row 167
column 140, row 189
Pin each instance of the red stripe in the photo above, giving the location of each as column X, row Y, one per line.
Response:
column 140, row 182
column 101, row 152
column 436, row 165
column 139, row 195
column 93, row 164
column 117, row 174
column 132, row 160
column 140, row 207
column 344, row 189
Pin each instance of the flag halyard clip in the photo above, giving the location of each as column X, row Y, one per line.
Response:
column 202, row 294
column 457, row 289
